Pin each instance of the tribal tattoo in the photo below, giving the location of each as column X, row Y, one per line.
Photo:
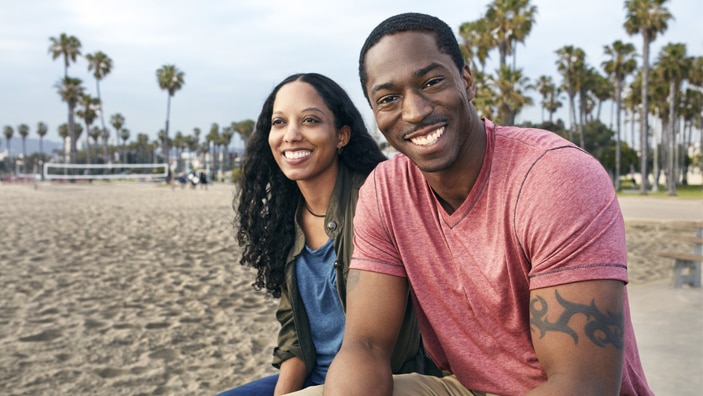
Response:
column 602, row 329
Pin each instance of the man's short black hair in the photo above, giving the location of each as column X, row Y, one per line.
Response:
column 411, row 22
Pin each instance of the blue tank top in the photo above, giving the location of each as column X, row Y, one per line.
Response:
column 317, row 285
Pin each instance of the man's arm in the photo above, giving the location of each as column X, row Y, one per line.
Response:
column 577, row 331
column 375, row 308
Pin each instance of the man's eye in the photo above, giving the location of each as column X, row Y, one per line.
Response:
column 433, row 82
column 387, row 99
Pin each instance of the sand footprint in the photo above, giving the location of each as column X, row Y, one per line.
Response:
column 110, row 372
column 166, row 355
column 47, row 335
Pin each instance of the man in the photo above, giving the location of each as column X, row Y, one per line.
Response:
column 510, row 240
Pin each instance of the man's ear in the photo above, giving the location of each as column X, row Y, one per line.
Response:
column 469, row 82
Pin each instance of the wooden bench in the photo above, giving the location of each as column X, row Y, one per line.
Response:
column 687, row 267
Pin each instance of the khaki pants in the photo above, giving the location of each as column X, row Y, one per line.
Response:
column 415, row 385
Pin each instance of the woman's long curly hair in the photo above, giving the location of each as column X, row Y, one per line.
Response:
column 265, row 208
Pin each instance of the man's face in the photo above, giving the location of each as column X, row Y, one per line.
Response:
column 419, row 98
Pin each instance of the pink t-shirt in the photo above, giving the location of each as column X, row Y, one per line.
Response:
column 542, row 213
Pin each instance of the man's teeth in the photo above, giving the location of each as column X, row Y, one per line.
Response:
column 297, row 154
column 428, row 139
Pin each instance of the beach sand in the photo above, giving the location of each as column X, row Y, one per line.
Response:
column 135, row 289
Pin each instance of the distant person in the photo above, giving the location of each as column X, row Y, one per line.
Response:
column 305, row 162
column 509, row 240
column 202, row 175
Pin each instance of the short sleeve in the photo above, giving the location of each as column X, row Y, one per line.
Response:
column 374, row 249
column 568, row 221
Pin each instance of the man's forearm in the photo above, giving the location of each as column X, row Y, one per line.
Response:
column 357, row 372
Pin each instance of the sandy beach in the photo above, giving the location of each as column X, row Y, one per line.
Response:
column 135, row 289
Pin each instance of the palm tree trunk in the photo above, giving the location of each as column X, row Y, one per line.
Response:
column 644, row 128
column 582, row 112
column 671, row 177
column 72, row 134
column 572, row 105
column 87, row 141
column 165, row 142
column 618, row 90
column 102, row 112
column 24, row 155
column 656, row 144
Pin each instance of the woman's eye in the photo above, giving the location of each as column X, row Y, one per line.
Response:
column 277, row 121
column 309, row 120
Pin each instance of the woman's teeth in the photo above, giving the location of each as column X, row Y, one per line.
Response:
column 296, row 154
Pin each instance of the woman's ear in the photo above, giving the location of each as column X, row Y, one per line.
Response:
column 343, row 136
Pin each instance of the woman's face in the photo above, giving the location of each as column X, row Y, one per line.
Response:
column 303, row 137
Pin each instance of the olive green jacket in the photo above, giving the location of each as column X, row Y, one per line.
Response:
column 294, row 338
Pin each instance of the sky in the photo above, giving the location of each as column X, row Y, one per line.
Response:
column 234, row 52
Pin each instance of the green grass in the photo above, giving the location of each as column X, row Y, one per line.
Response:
column 694, row 191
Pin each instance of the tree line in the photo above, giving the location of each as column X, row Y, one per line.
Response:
column 668, row 92
column 82, row 105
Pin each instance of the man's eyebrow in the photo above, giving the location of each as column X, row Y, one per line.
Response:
column 380, row 87
column 423, row 71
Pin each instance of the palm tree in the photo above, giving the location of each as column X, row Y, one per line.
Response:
column 553, row 103
column 105, row 135
column 675, row 66
column 509, row 90
column 101, row 65
column 226, row 140
column 695, row 80
column 124, row 135
column 509, row 22
column 601, row 89
column 691, row 110
column 117, row 121
column 212, row 138
column 620, row 64
column 477, row 42
column 88, row 112
column 142, row 147
column 67, row 46
column 8, row 132
column 178, row 145
column 171, row 80
column 94, row 135
column 64, row 134
column 71, row 89
column 244, row 128
column 545, row 87
column 196, row 134
column 648, row 17
column 569, row 63
column 23, row 131
column 42, row 130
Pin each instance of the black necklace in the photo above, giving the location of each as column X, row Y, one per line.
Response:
column 310, row 211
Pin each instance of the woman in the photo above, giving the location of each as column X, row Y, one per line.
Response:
column 304, row 165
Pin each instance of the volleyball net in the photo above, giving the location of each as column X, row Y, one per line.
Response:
column 56, row 171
